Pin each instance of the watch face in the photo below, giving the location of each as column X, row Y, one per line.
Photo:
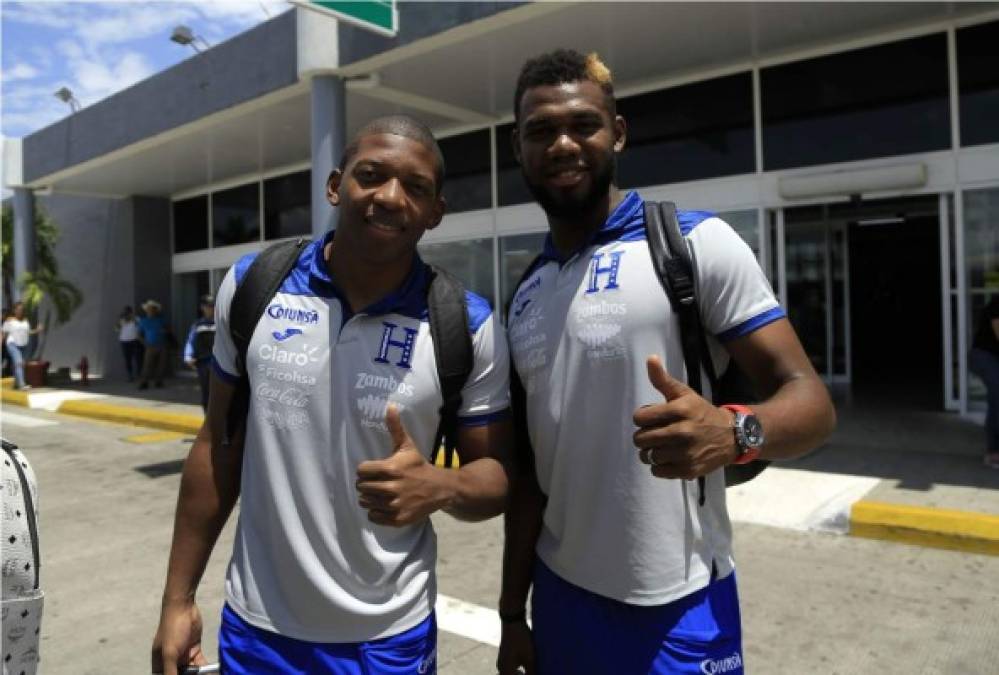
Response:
column 753, row 431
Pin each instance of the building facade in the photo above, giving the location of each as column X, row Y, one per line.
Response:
column 854, row 146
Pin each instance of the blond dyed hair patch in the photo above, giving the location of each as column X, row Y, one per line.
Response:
column 597, row 70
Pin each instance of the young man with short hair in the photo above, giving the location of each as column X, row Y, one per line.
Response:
column 333, row 564
column 628, row 552
column 199, row 344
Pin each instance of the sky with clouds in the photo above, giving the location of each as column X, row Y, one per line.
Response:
column 99, row 48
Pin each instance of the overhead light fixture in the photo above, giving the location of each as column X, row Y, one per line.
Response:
column 368, row 81
column 889, row 220
column 183, row 35
column 844, row 182
column 66, row 96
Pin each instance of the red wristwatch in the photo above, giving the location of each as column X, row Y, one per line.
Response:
column 748, row 433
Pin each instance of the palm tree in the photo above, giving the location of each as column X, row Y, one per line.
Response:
column 42, row 289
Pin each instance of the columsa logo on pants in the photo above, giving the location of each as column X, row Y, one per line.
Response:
column 729, row 664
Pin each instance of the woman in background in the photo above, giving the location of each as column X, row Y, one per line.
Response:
column 17, row 331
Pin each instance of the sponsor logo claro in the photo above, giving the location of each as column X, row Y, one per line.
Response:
column 728, row 664
column 269, row 352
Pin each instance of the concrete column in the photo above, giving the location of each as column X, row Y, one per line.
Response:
column 329, row 138
column 24, row 236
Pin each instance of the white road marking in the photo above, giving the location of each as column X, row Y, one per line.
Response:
column 467, row 620
column 798, row 500
column 15, row 420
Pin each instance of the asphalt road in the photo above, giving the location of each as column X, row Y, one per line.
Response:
column 812, row 603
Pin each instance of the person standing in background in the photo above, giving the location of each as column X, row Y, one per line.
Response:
column 199, row 344
column 154, row 334
column 17, row 331
column 128, row 338
column 984, row 362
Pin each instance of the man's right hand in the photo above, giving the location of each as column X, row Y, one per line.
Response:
column 516, row 650
column 178, row 639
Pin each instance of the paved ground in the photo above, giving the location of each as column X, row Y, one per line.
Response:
column 915, row 462
column 812, row 602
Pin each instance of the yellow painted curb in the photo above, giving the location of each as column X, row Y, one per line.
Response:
column 939, row 528
column 155, row 437
column 14, row 397
column 141, row 417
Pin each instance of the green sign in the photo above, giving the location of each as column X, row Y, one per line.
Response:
column 380, row 16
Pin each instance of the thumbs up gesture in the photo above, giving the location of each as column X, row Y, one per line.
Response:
column 403, row 488
column 685, row 436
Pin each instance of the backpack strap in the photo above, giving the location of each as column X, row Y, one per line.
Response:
column 523, row 451
column 261, row 281
column 449, row 330
column 675, row 269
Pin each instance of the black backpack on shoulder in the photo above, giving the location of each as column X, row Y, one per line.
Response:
column 675, row 269
column 448, row 328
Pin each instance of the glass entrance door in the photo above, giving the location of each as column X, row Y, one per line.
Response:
column 815, row 283
column 861, row 284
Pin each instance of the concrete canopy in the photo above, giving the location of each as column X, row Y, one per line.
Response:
column 242, row 108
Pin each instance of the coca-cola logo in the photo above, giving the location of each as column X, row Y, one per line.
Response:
column 291, row 397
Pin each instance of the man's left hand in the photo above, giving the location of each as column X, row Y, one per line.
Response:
column 685, row 436
column 404, row 488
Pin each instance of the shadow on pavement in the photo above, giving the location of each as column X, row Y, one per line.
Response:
column 161, row 469
column 917, row 448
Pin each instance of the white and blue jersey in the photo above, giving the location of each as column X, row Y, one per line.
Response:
column 306, row 562
column 580, row 331
column 198, row 345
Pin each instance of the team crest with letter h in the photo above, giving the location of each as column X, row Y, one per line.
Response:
column 397, row 345
column 604, row 271
column 598, row 319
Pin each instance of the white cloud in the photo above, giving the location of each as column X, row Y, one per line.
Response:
column 45, row 14
column 99, row 48
column 19, row 71
column 97, row 79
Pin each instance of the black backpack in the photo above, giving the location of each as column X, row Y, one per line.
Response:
column 674, row 267
column 448, row 328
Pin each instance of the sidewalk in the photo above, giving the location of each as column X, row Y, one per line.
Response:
column 894, row 474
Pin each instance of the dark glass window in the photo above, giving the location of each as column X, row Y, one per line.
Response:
column 886, row 100
column 467, row 185
column 471, row 261
column 978, row 83
column 510, row 181
column 190, row 224
column 516, row 253
column 288, row 205
column 236, row 215
column 693, row 131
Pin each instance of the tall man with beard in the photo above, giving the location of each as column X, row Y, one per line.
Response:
column 628, row 553
column 332, row 569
